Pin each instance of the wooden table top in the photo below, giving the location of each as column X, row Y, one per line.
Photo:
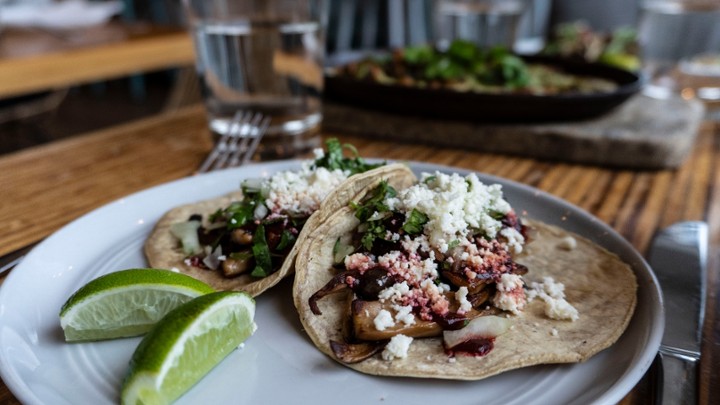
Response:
column 34, row 60
column 46, row 187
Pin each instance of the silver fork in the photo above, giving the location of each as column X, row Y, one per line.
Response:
column 239, row 144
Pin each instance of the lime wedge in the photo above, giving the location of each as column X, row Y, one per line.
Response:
column 186, row 345
column 126, row 303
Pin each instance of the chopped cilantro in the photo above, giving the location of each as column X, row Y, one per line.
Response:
column 414, row 223
column 286, row 239
column 453, row 244
column 239, row 213
column 376, row 202
column 376, row 230
column 429, row 179
column 365, row 210
column 464, row 60
column 335, row 159
column 261, row 251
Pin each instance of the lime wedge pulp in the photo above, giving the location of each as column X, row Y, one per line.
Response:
column 126, row 303
column 185, row 345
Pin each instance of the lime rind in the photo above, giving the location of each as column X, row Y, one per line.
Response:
column 126, row 303
column 134, row 276
column 185, row 345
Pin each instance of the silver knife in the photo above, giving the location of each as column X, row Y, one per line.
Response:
column 678, row 256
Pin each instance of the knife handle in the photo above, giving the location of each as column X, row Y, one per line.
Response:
column 679, row 380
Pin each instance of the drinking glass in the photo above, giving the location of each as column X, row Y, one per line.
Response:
column 264, row 56
column 680, row 46
column 486, row 23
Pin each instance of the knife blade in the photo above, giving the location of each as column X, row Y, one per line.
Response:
column 678, row 256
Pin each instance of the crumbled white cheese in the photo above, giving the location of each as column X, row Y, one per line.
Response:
column 514, row 239
column 397, row 348
column 394, row 292
column 559, row 308
column 461, row 297
column 404, row 314
column 454, row 205
column 510, row 295
column 567, row 243
column 553, row 294
column 383, row 320
column 300, row 192
column 554, row 332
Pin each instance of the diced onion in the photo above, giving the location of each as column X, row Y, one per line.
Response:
column 260, row 212
column 212, row 260
column 480, row 327
column 342, row 251
column 186, row 232
column 254, row 184
column 379, row 215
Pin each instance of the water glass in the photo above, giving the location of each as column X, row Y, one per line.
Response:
column 264, row 56
column 486, row 23
column 680, row 45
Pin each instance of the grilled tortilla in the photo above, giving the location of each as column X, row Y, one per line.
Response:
column 163, row 250
column 597, row 283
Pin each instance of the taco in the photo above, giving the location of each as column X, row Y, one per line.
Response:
column 444, row 280
column 247, row 240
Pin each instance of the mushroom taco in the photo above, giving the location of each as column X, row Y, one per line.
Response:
column 247, row 240
column 442, row 279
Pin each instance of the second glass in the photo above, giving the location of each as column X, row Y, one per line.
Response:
column 264, row 56
column 486, row 23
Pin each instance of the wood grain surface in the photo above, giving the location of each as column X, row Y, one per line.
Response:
column 46, row 187
column 33, row 60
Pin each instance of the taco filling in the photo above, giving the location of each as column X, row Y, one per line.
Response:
column 254, row 234
column 435, row 259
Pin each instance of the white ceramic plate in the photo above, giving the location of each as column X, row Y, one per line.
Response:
column 278, row 364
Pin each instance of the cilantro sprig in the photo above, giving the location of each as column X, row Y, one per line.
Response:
column 375, row 203
column 414, row 223
column 334, row 158
column 375, row 229
column 261, row 252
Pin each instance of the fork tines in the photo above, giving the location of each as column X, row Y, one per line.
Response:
column 238, row 145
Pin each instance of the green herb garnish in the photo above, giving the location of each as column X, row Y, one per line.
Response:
column 376, row 202
column 414, row 223
column 376, row 230
column 261, row 251
column 286, row 239
column 365, row 210
column 334, row 158
column 463, row 60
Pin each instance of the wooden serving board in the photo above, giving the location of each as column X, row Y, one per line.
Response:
column 642, row 133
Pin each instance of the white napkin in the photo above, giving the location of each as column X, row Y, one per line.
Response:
column 59, row 15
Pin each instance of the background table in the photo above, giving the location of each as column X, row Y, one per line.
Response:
column 46, row 187
column 34, row 60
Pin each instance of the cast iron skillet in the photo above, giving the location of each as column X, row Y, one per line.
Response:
column 484, row 107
